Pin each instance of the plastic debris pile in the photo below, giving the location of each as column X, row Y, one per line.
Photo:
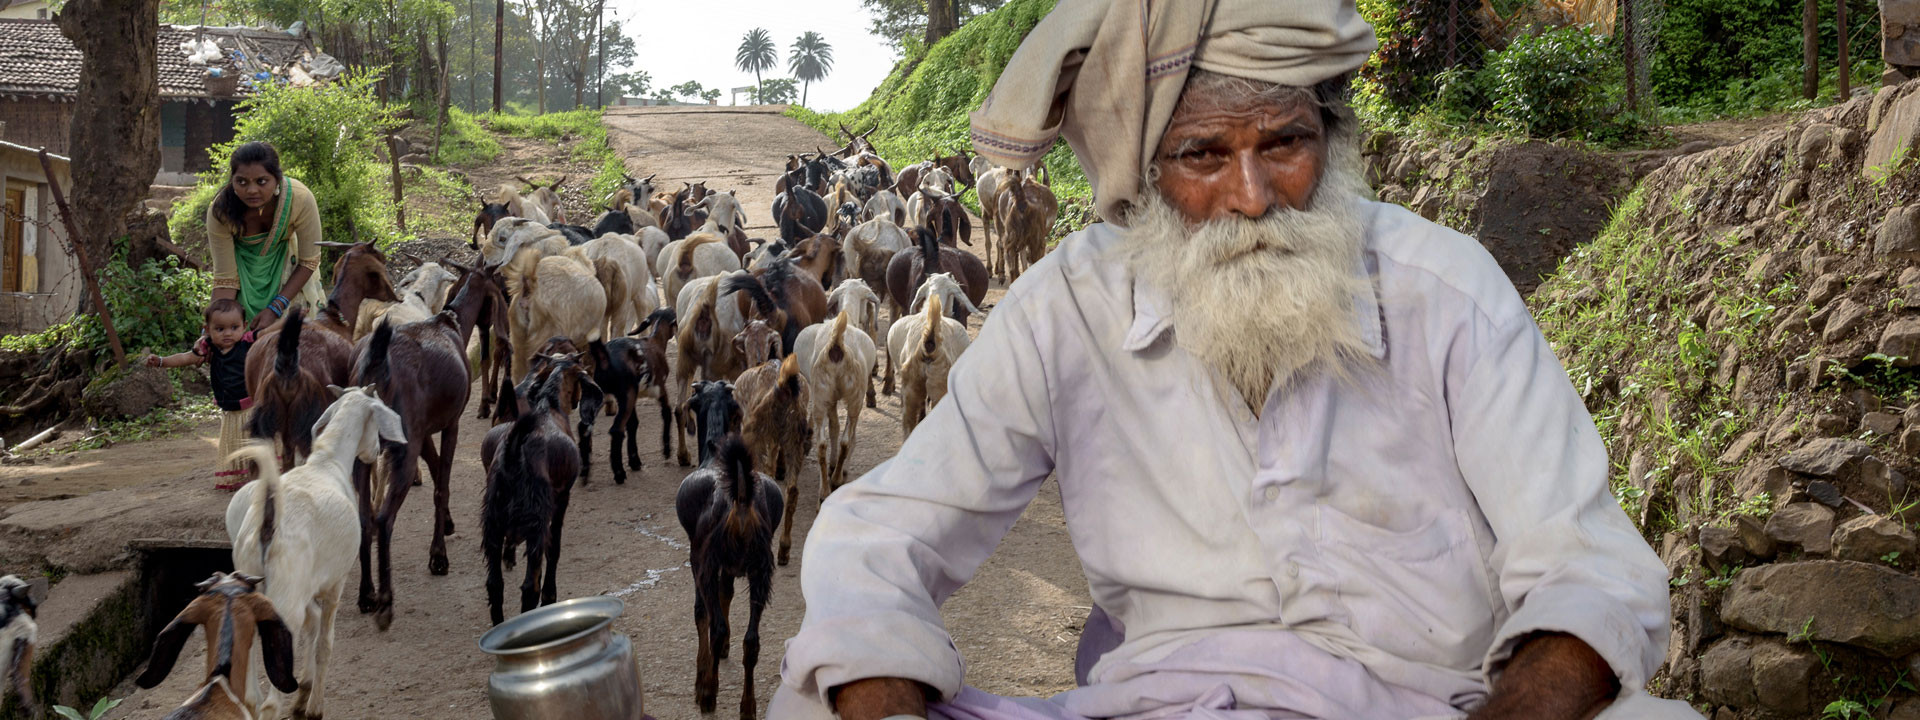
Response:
column 244, row 59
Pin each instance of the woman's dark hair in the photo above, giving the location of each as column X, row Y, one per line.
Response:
column 228, row 205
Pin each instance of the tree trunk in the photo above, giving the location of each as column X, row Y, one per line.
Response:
column 943, row 17
column 1810, row 49
column 600, row 71
column 499, row 35
column 1846, row 68
column 759, row 89
column 473, row 66
column 115, row 135
column 446, row 89
column 804, row 86
column 540, row 59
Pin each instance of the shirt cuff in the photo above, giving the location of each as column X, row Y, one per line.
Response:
column 1597, row 619
column 226, row 283
column 312, row 263
column 837, row 651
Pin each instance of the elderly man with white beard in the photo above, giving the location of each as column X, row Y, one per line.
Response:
column 1315, row 457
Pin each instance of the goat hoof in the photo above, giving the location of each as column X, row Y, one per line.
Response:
column 437, row 565
column 706, row 704
column 447, row 524
column 783, row 558
column 383, row 619
column 366, row 604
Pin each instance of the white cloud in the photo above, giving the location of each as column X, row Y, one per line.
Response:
column 683, row 41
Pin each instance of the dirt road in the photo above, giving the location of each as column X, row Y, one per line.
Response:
column 1017, row 623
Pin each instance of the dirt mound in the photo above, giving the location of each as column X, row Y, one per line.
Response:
column 1745, row 332
column 129, row 393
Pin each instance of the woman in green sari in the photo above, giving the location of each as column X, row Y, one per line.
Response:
column 264, row 231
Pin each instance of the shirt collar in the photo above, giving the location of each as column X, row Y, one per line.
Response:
column 1152, row 312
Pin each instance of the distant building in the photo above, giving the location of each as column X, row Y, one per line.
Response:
column 40, row 78
column 25, row 9
column 39, row 283
column 626, row 101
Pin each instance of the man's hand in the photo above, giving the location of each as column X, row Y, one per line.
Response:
column 876, row 698
column 1551, row 676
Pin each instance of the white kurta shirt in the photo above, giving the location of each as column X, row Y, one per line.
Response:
column 1391, row 534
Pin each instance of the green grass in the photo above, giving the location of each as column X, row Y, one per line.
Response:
column 464, row 142
column 583, row 126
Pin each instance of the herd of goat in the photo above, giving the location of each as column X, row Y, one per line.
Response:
column 764, row 351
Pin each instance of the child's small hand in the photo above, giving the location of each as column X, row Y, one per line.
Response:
column 152, row 361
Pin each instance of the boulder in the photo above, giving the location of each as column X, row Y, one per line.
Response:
column 1910, row 441
column 1814, row 142
column 1899, row 235
column 1826, row 289
column 1907, row 710
column 1866, row 606
column 1882, row 99
column 1826, row 457
column 1895, row 133
column 1726, row 673
column 1884, row 424
column 1721, row 547
column 1780, row 676
column 1807, row 525
column 1753, row 536
column 1831, row 425
column 1901, row 341
column 1825, row 493
column 1866, row 539
column 129, row 393
column 1737, row 450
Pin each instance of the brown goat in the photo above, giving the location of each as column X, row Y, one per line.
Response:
column 359, row 275
column 232, row 613
column 1027, row 210
column 758, row 343
column 819, row 255
column 288, row 371
column 701, row 345
column 777, row 430
column 910, row 267
column 421, row 370
column 783, row 296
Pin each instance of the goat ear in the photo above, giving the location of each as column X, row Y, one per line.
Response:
column 388, row 425
column 166, row 650
column 276, row 649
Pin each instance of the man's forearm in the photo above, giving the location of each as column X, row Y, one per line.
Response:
column 1553, row 676
column 876, row 698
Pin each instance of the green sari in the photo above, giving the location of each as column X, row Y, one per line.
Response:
column 263, row 260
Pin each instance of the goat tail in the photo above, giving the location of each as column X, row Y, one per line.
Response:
column 266, row 498
column 837, row 347
column 930, row 334
column 687, row 247
column 286, row 363
column 762, row 300
column 737, row 459
column 373, row 366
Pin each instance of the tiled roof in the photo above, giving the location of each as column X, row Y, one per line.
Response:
column 35, row 59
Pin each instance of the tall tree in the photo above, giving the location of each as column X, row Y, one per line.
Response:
column 115, row 135
column 943, row 17
column 811, row 60
column 756, row 54
column 899, row 22
column 499, row 37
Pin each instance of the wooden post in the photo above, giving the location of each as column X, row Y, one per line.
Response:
column 86, row 263
column 1810, row 50
column 499, row 34
column 399, row 200
column 1846, row 68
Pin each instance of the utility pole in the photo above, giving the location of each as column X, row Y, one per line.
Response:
column 1846, row 68
column 1810, row 49
column 499, row 38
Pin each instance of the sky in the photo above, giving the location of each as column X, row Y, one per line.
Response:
column 680, row 41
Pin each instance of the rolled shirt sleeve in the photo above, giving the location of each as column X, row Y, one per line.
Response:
column 1566, row 556
column 306, row 225
column 226, row 274
column 887, row 550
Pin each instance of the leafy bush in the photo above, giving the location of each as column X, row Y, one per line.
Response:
column 1551, row 83
column 1707, row 47
column 1415, row 48
column 156, row 305
column 464, row 142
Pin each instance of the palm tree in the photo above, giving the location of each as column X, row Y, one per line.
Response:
column 755, row 55
column 812, row 59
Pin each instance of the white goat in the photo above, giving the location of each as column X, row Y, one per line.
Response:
column 423, row 293
column 702, row 254
column 952, row 296
column 723, row 211
column 838, row 361
column 310, row 550
column 887, row 204
column 939, row 179
column 988, row 185
column 518, row 206
column 552, row 296
column 633, row 299
column 652, row 240
column 923, row 348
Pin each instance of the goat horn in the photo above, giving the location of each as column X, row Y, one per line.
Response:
column 526, row 181
column 329, row 244
column 556, row 184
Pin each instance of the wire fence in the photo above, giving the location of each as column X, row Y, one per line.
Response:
column 42, row 281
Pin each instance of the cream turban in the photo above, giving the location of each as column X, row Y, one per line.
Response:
column 1107, row 74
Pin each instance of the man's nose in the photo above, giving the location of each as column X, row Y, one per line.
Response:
column 1250, row 192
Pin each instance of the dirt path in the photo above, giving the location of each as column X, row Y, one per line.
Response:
column 1017, row 622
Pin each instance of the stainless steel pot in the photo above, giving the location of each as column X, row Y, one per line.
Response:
column 563, row 662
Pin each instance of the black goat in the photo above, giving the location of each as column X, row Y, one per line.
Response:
column 575, row 234
column 728, row 512
column 627, row 368
column 614, row 221
column 531, row 465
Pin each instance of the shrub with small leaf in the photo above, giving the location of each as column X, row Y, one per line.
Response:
column 99, row 710
column 1551, row 83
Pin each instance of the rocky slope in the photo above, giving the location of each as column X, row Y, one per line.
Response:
column 1746, row 332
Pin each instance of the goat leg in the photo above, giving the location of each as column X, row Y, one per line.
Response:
column 759, row 589
column 548, row 593
column 706, row 683
column 722, row 635
column 584, row 431
column 666, row 425
column 442, row 468
column 362, row 473
column 790, row 481
column 490, row 546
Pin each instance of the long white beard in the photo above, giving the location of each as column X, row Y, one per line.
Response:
column 1261, row 299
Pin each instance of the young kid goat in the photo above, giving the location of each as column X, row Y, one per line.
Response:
column 302, row 529
column 776, row 428
column 728, row 512
column 232, row 614
column 17, row 635
column 924, row 346
column 628, row 369
column 531, row 465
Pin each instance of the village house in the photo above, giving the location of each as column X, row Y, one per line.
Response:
column 25, row 9
column 40, row 76
column 39, row 280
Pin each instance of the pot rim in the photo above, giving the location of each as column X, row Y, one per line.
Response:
column 608, row 607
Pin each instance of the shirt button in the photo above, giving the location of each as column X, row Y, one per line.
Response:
column 1293, row 569
column 1273, row 493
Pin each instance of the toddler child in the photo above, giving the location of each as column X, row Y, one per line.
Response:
column 224, row 348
